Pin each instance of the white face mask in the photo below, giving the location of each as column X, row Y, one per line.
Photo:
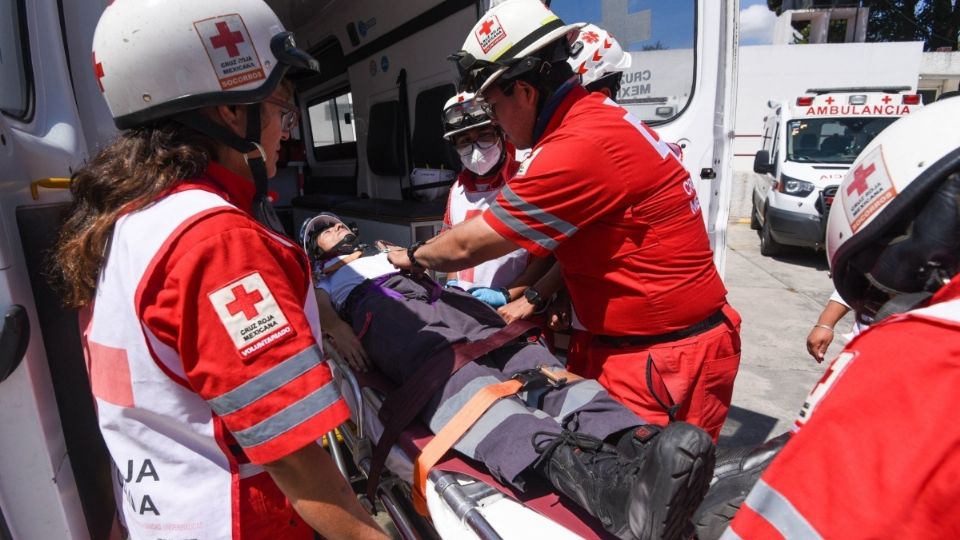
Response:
column 481, row 161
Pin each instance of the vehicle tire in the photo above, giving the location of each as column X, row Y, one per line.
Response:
column 768, row 246
column 754, row 218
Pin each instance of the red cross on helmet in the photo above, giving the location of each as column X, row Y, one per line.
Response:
column 504, row 37
column 599, row 56
column 894, row 225
column 157, row 59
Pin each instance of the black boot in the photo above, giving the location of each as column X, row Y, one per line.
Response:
column 737, row 470
column 591, row 473
column 675, row 466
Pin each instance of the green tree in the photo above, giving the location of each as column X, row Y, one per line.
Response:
column 941, row 21
column 935, row 22
column 894, row 20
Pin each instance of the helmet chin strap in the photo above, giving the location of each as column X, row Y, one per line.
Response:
column 262, row 207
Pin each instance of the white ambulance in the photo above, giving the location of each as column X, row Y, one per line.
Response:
column 808, row 146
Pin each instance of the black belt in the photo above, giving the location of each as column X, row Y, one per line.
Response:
column 637, row 341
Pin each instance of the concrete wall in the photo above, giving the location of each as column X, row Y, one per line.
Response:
column 780, row 72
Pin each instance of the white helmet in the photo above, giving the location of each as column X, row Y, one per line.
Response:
column 598, row 55
column 504, row 39
column 463, row 112
column 894, row 227
column 157, row 59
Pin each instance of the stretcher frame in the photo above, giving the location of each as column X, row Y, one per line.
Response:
column 465, row 493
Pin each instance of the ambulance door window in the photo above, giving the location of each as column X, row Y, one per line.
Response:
column 332, row 126
column 16, row 92
column 660, row 38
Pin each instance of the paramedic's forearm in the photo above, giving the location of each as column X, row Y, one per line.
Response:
column 536, row 269
column 551, row 282
column 464, row 246
column 319, row 493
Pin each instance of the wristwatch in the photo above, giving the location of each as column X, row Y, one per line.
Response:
column 410, row 254
column 533, row 296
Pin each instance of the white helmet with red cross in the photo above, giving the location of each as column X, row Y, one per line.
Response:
column 156, row 59
column 598, row 55
column 463, row 112
column 505, row 39
column 894, row 227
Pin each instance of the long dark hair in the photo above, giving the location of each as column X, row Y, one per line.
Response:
column 136, row 169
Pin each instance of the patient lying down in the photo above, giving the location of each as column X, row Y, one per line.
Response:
column 640, row 481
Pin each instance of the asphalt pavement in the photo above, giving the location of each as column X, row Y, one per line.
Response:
column 779, row 299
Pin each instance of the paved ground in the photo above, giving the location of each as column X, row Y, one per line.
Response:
column 779, row 299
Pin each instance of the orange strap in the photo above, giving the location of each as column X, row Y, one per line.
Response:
column 466, row 417
column 451, row 433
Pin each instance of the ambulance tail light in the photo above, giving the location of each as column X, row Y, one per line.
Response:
column 858, row 99
column 911, row 99
column 805, row 101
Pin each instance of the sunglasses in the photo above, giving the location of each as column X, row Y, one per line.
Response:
column 289, row 115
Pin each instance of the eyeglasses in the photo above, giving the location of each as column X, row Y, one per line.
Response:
column 482, row 141
column 289, row 116
column 506, row 88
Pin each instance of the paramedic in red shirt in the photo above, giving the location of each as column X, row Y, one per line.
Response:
column 199, row 325
column 874, row 449
column 616, row 208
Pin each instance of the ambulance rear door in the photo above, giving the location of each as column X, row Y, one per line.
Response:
column 44, row 492
column 682, row 81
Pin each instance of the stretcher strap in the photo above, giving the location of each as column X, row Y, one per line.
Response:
column 465, row 418
column 451, row 433
column 403, row 405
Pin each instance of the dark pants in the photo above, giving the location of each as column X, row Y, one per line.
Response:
column 404, row 321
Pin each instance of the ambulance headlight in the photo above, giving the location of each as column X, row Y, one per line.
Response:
column 795, row 187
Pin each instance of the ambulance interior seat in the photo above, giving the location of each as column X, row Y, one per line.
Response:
column 834, row 144
column 385, row 140
column 385, row 157
column 60, row 331
column 807, row 144
column 430, row 150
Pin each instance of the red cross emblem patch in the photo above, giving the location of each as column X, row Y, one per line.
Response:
column 250, row 314
column 232, row 55
column 489, row 33
column 868, row 188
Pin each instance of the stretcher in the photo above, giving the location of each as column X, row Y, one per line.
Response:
column 461, row 499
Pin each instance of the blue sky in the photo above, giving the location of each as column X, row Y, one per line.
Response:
column 672, row 20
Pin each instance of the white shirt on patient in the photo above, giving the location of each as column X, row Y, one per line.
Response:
column 339, row 284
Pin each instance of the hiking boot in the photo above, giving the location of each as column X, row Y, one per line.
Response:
column 675, row 466
column 591, row 473
column 735, row 474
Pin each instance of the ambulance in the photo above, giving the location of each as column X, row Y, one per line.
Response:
column 808, row 146
column 371, row 125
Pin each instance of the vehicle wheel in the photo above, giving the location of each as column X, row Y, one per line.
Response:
column 754, row 219
column 768, row 246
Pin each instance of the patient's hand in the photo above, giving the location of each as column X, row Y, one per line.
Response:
column 558, row 314
column 347, row 344
column 519, row 309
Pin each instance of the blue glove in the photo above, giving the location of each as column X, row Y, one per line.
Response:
column 453, row 283
column 492, row 297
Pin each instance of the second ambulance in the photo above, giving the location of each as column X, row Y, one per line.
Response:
column 808, row 146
